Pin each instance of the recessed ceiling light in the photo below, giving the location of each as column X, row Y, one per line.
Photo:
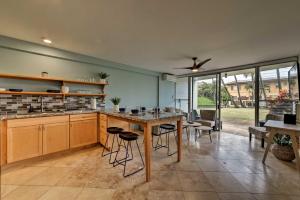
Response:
column 47, row 41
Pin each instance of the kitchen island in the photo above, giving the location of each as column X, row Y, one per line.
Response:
column 147, row 121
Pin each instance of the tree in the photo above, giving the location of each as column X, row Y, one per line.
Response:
column 238, row 90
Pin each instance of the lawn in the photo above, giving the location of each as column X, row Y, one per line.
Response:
column 242, row 113
column 205, row 102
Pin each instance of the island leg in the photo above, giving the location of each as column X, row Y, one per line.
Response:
column 179, row 138
column 270, row 139
column 148, row 149
column 295, row 147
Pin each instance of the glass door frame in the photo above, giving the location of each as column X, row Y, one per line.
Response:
column 256, row 67
column 217, row 97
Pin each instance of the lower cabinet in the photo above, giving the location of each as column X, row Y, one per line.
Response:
column 24, row 142
column 83, row 131
column 32, row 137
column 55, row 137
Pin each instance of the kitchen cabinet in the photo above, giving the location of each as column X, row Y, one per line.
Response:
column 83, row 130
column 3, row 135
column 24, row 142
column 55, row 137
column 28, row 138
column 102, row 129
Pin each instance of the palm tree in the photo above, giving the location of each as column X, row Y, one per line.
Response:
column 238, row 90
column 234, row 103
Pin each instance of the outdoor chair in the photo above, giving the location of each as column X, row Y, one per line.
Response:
column 261, row 131
column 206, row 118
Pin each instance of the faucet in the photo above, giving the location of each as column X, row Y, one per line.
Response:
column 42, row 104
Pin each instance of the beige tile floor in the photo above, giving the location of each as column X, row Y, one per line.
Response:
column 228, row 169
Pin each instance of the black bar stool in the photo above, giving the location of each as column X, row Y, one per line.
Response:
column 114, row 131
column 129, row 137
column 165, row 129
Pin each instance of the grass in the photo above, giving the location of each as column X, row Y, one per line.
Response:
column 242, row 113
column 240, row 116
column 204, row 101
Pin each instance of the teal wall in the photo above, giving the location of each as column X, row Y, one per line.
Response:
column 136, row 87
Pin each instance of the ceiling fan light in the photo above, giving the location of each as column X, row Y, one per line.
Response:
column 195, row 70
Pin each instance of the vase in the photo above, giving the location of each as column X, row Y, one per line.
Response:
column 285, row 153
column 116, row 108
column 103, row 81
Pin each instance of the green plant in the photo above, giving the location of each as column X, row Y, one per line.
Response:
column 103, row 75
column 116, row 100
column 283, row 140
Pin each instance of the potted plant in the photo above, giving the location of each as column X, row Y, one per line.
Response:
column 282, row 149
column 116, row 102
column 103, row 77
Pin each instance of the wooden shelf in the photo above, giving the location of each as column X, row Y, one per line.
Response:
column 49, row 94
column 77, row 94
column 35, row 78
column 31, row 93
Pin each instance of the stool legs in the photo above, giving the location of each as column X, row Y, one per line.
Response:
column 112, row 147
column 159, row 143
column 127, row 158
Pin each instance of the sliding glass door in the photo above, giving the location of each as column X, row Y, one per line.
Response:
column 242, row 98
column 238, row 101
column 206, row 96
column 278, row 89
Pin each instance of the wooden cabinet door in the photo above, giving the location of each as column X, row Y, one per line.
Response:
column 24, row 142
column 102, row 128
column 83, row 132
column 55, row 137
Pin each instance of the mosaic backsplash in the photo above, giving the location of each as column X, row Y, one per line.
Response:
column 20, row 104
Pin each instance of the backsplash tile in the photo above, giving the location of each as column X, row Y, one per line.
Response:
column 21, row 103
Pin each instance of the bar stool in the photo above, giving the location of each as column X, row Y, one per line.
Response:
column 165, row 129
column 128, row 137
column 115, row 131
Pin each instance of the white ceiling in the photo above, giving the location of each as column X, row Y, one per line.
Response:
column 160, row 34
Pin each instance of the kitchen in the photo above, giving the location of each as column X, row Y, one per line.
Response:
column 149, row 100
column 46, row 117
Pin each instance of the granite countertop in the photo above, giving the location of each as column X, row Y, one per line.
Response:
column 48, row 114
column 142, row 117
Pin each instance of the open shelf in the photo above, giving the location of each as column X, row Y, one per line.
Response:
column 35, row 78
column 49, row 94
column 78, row 94
column 30, row 93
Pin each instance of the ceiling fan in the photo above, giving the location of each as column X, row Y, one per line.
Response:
column 196, row 66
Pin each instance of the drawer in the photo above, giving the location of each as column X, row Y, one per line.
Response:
column 80, row 117
column 55, row 119
column 11, row 123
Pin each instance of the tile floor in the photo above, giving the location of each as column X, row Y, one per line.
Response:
column 228, row 169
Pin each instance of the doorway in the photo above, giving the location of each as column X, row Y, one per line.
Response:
column 238, row 101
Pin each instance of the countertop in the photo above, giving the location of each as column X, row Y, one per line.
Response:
column 142, row 117
column 48, row 114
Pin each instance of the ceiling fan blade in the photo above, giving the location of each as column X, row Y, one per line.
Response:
column 183, row 68
column 203, row 62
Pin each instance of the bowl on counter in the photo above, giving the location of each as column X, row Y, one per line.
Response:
column 122, row 110
column 135, row 111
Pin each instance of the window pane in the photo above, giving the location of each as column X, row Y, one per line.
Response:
column 278, row 89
